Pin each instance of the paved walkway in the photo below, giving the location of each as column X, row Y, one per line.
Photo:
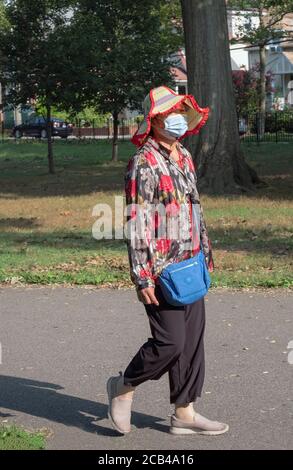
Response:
column 60, row 344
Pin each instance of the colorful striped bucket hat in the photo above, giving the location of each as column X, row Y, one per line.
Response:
column 162, row 100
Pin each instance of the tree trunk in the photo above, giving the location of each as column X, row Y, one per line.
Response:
column 115, row 137
column 220, row 163
column 49, row 138
column 262, row 98
column 262, row 78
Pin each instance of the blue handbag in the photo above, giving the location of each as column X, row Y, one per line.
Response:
column 185, row 282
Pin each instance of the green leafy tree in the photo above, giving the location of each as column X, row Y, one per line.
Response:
column 74, row 55
column 171, row 26
column 136, row 47
column 3, row 18
column 43, row 58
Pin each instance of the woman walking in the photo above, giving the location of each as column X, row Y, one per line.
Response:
column 162, row 172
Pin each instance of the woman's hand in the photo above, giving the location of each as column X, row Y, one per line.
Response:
column 147, row 295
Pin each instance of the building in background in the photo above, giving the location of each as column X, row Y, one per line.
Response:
column 179, row 72
column 279, row 57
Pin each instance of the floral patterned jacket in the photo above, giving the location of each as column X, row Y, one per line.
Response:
column 153, row 177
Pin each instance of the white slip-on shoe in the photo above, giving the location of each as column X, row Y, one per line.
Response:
column 119, row 409
column 199, row 425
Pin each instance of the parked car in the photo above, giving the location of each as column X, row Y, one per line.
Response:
column 36, row 127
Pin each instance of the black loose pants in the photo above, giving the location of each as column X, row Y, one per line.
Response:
column 176, row 347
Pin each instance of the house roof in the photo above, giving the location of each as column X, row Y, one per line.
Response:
column 179, row 74
column 179, row 71
column 289, row 55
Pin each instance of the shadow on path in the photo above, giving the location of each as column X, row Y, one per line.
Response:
column 44, row 400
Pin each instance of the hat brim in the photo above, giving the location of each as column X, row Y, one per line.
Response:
column 163, row 101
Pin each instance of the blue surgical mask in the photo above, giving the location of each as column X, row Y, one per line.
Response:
column 176, row 124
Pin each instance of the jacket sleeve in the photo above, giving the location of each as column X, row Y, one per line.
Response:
column 139, row 191
column 206, row 242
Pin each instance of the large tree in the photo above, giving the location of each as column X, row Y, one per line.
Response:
column 221, row 166
column 42, row 57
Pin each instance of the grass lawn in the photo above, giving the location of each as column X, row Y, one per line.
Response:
column 13, row 438
column 46, row 220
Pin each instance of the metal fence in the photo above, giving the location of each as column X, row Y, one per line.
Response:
column 278, row 127
column 89, row 130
